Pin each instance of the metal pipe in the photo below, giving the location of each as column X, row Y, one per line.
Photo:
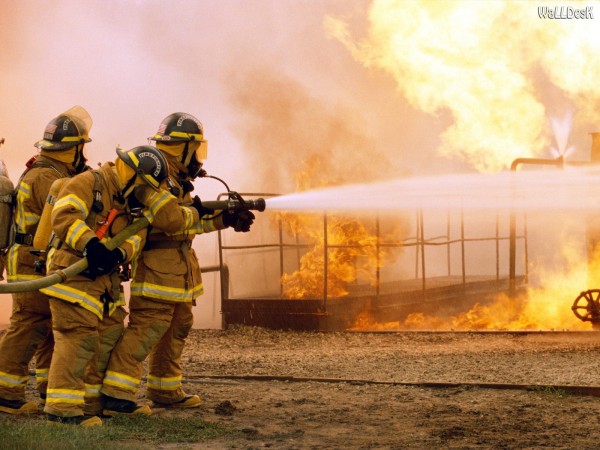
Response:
column 462, row 248
column 378, row 253
column 325, row 262
column 512, row 271
column 422, row 238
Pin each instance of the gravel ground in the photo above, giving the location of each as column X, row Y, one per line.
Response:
column 303, row 390
column 358, row 413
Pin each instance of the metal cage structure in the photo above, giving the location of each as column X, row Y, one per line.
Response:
column 388, row 298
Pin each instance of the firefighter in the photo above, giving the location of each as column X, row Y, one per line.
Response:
column 166, row 282
column 61, row 154
column 87, row 309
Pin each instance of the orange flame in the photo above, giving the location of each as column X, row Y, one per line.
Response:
column 491, row 65
column 535, row 308
column 352, row 248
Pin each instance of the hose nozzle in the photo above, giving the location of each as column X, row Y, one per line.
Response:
column 236, row 203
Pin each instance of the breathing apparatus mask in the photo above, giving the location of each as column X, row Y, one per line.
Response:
column 188, row 156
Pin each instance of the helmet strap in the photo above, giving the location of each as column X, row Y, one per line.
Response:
column 79, row 160
column 128, row 189
column 184, row 155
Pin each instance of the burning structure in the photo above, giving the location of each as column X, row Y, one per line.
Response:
column 449, row 269
column 335, row 273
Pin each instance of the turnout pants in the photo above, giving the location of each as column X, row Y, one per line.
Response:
column 156, row 330
column 29, row 335
column 109, row 332
column 82, row 345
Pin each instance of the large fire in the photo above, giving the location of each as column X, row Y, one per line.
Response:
column 535, row 308
column 353, row 253
column 497, row 67
column 495, row 71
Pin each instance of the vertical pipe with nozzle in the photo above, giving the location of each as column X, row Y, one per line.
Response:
column 592, row 229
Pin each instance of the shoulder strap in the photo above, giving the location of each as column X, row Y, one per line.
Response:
column 48, row 166
column 97, row 205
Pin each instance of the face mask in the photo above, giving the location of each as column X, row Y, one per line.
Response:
column 197, row 153
column 74, row 156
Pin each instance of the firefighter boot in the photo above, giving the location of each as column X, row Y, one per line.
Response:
column 189, row 401
column 82, row 421
column 114, row 406
column 18, row 406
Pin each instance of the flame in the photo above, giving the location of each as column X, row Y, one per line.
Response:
column 486, row 64
column 536, row 308
column 352, row 249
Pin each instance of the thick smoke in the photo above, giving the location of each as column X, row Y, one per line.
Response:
column 295, row 141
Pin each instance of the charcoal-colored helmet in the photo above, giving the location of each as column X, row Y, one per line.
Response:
column 148, row 162
column 66, row 130
column 179, row 127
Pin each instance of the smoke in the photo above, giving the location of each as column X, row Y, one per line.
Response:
column 487, row 64
column 294, row 140
column 286, row 88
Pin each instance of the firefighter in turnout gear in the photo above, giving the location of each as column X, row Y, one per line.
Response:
column 87, row 309
column 166, row 281
column 61, row 154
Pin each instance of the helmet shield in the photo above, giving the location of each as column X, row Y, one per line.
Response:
column 66, row 130
column 82, row 119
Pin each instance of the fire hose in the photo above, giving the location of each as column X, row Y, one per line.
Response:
column 235, row 202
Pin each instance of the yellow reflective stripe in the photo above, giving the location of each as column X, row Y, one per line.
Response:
column 92, row 390
column 202, row 226
column 41, row 374
column 135, row 241
column 166, row 292
column 164, row 384
column 13, row 261
column 30, row 219
column 189, row 217
column 134, row 158
column 114, row 305
column 150, row 179
column 71, row 139
column 73, row 201
column 24, row 189
column 75, row 232
column 158, row 200
column 65, row 396
column 13, row 254
column 23, row 194
column 185, row 135
column 72, row 295
column 121, row 380
column 10, row 380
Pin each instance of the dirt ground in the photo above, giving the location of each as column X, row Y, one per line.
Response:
column 401, row 390
column 258, row 397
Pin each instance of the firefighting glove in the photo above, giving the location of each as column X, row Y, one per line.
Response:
column 100, row 259
column 239, row 220
column 202, row 211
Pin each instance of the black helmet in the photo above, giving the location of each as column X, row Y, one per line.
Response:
column 179, row 127
column 148, row 162
column 66, row 130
